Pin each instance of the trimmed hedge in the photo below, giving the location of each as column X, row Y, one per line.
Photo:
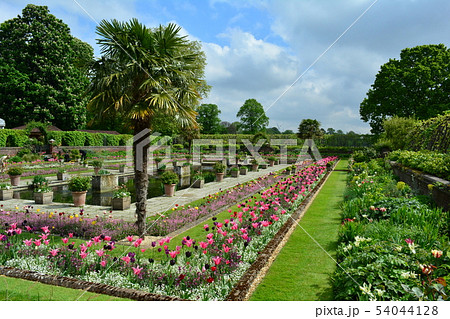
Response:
column 17, row 138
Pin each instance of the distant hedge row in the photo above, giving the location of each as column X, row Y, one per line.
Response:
column 18, row 138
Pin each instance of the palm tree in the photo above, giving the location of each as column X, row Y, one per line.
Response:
column 144, row 72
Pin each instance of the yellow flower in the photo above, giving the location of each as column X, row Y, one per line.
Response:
column 76, row 215
column 94, row 222
column 196, row 207
column 71, row 217
column 81, row 219
column 38, row 210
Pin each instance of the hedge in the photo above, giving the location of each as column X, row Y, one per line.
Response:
column 17, row 138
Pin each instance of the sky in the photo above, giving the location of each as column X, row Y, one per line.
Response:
column 299, row 58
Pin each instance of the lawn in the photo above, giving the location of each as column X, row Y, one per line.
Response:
column 301, row 271
column 13, row 289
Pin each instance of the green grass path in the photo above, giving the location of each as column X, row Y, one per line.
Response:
column 14, row 289
column 301, row 270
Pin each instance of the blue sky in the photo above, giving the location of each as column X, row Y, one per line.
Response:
column 278, row 51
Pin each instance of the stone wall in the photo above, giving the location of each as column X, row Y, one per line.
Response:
column 421, row 182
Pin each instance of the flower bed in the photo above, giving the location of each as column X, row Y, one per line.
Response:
column 181, row 216
column 393, row 246
column 199, row 269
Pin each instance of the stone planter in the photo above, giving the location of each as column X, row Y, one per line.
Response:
column 62, row 176
column 96, row 170
column 263, row 166
column 255, row 168
column 243, row 171
column 169, row 189
column 219, row 177
column 15, row 180
column 271, row 163
column 121, row 203
column 6, row 194
column 43, row 198
column 104, row 183
column 234, row 173
column 79, row 198
column 199, row 183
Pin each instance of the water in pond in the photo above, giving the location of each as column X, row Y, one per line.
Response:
column 61, row 194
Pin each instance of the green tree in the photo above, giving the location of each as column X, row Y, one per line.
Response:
column 252, row 117
column 309, row 129
column 143, row 72
column 41, row 73
column 395, row 132
column 417, row 86
column 208, row 118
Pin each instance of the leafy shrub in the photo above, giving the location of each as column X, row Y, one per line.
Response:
column 169, row 177
column 14, row 171
column 79, row 183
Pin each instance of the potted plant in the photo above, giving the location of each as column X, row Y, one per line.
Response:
column 14, row 174
column 254, row 165
column 122, row 168
column 219, row 168
column 170, row 180
column 97, row 164
column 6, row 191
column 199, row 180
column 243, row 170
column 62, row 174
column 79, row 186
column 43, row 194
column 272, row 160
column 121, row 198
column 234, row 172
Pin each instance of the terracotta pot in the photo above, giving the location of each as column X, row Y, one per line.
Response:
column 15, row 180
column 255, row 168
column 79, row 198
column 96, row 170
column 271, row 163
column 219, row 177
column 169, row 189
column 121, row 203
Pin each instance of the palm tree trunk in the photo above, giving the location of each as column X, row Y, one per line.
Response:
column 141, row 178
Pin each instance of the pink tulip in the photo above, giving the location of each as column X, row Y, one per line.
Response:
column 103, row 263
column 126, row 259
column 217, row 260
column 27, row 242
column 65, row 240
column 137, row 270
column 130, row 238
column 54, row 252
column 173, row 254
column 37, row 242
column 100, row 252
column 203, row 244
column 137, row 242
column 45, row 229
column 83, row 254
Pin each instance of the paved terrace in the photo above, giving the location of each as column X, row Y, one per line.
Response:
column 154, row 205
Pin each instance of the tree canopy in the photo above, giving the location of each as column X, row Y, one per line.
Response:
column 208, row 118
column 41, row 73
column 252, row 117
column 309, row 129
column 417, row 85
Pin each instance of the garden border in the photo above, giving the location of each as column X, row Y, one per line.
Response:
column 254, row 274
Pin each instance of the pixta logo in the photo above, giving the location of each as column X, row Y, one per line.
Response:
column 145, row 141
